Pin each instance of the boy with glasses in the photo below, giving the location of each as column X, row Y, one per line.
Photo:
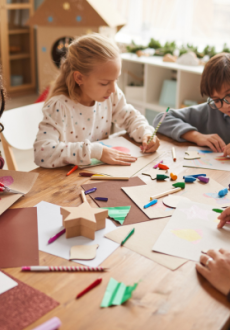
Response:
column 206, row 124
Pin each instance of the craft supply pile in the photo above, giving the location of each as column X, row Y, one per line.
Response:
column 165, row 215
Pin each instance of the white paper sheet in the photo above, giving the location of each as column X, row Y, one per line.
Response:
column 191, row 229
column 120, row 144
column 208, row 160
column 50, row 223
column 6, row 283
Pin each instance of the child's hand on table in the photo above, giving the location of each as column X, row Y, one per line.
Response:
column 226, row 150
column 114, row 157
column 213, row 141
column 152, row 146
column 217, row 271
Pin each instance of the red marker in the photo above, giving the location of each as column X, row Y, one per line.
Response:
column 90, row 287
column 73, row 169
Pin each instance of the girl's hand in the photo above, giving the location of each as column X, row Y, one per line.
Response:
column 114, row 157
column 224, row 217
column 226, row 150
column 218, row 270
column 152, row 146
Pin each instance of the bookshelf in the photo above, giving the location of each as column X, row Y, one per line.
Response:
column 17, row 46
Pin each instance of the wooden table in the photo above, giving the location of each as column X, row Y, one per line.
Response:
column 164, row 299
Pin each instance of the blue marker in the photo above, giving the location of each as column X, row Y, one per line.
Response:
column 189, row 179
column 223, row 192
column 196, row 175
column 151, row 203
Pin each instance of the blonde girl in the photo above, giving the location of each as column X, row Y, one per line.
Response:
column 83, row 103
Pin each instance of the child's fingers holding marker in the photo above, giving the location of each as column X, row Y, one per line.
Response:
column 226, row 150
column 150, row 147
column 224, row 217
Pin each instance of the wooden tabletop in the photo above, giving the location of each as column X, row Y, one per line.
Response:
column 164, row 299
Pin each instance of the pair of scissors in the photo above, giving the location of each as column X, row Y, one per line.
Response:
column 6, row 189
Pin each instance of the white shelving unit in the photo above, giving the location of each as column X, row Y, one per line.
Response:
column 154, row 71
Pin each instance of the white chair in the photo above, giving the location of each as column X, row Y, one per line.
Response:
column 20, row 130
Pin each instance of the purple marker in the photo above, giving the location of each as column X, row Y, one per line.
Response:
column 203, row 179
column 52, row 324
column 90, row 191
column 103, row 199
column 52, row 239
column 156, row 166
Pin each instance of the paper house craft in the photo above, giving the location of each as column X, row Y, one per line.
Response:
column 58, row 22
column 83, row 220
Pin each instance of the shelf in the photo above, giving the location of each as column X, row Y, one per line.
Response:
column 20, row 87
column 145, row 105
column 19, row 31
column 19, row 56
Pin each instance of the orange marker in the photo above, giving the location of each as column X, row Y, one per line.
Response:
column 173, row 176
column 163, row 167
column 73, row 169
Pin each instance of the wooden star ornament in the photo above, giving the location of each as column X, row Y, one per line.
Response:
column 83, row 220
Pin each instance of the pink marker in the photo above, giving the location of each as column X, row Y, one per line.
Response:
column 52, row 324
column 52, row 239
column 156, row 166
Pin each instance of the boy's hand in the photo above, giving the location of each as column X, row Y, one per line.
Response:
column 152, row 146
column 226, row 150
column 218, row 270
column 213, row 141
column 224, row 217
column 114, row 157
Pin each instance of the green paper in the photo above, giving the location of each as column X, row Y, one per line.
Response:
column 117, row 293
column 118, row 213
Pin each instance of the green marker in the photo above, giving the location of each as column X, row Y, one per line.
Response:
column 179, row 185
column 127, row 237
column 161, row 177
column 218, row 210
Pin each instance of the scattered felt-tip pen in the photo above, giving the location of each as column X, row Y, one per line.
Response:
column 128, row 236
column 90, row 287
column 218, row 210
column 153, row 202
column 90, row 191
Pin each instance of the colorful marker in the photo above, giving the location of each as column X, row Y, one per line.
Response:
column 179, row 185
column 62, row 269
column 51, row 324
column 73, row 169
column 86, row 174
column 203, row 179
column 223, row 192
column 218, row 210
column 161, row 176
column 90, row 287
column 151, row 203
column 173, row 176
column 189, row 179
column 52, row 239
column 196, row 175
column 173, row 154
column 103, row 199
column 90, row 191
column 156, row 166
column 127, row 237
column 163, row 167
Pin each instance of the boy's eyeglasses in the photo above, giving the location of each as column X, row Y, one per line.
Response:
column 218, row 103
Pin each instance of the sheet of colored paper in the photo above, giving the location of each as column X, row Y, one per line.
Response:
column 23, row 305
column 6, row 283
column 19, row 238
column 120, row 144
column 196, row 191
column 117, row 293
column 50, row 223
column 192, row 229
column 20, row 181
column 118, row 213
column 125, row 171
column 210, row 160
column 117, row 197
column 146, row 234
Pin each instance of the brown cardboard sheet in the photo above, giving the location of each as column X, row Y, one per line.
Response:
column 19, row 238
column 116, row 197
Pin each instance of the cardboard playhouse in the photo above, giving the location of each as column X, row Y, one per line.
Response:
column 58, row 22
